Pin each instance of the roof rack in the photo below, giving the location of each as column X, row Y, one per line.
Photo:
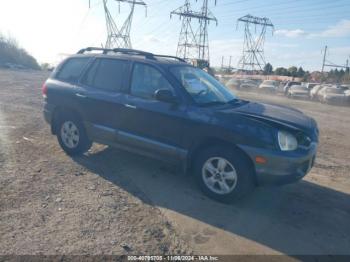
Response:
column 129, row 52
column 174, row 57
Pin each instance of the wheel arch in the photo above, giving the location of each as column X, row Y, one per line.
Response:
column 211, row 142
column 60, row 111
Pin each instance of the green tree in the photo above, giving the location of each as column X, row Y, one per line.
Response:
column 281, row 71
column 293, row 71
column 301, row 72
column 268, row 69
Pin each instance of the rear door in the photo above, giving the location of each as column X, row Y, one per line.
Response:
column 63, row 84
column 101, row 94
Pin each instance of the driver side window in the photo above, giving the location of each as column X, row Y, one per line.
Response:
column 146, row 80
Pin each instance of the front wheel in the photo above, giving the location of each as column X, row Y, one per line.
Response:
column 224, row 174
column 72, row 136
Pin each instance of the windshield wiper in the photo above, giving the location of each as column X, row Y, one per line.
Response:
column 234, row 101
column 213, row 103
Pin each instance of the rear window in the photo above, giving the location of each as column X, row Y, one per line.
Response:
column 72, row 69
column 107, row 74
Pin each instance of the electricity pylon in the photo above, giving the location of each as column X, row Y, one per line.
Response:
column 119, row 38
column 194, row 44
column 253, row 57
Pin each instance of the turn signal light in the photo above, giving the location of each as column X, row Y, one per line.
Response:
column 260, row 160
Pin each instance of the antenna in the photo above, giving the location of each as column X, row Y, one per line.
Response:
column 119, row 38
column 253, row 57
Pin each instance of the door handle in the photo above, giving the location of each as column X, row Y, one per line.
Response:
column 80, row 95
column 130, row 106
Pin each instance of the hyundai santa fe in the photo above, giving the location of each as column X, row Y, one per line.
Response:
column 162, row 107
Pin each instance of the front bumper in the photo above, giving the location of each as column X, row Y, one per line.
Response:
column 282, row 167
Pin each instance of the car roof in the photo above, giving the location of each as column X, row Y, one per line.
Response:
column 131, row 55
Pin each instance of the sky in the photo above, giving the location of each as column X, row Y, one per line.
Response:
column 51, row 29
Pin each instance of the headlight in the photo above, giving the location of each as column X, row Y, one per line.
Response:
column 287, row 141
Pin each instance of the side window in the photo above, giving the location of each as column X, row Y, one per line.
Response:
column 72, row 69
column 107, row 74
column 146, row 80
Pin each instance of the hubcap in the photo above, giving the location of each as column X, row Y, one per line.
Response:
column 219, row 175
column 70, row 134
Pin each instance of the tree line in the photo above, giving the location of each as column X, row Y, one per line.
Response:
column 333, row 76
column 12, row 54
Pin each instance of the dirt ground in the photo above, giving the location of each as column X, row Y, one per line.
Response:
column 112, row 202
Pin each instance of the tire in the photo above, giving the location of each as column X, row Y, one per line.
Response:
column 239, row 184
column 71, row 135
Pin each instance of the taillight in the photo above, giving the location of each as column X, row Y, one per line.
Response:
column 44, row 90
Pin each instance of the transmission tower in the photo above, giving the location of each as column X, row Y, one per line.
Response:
column 119, row 38
column 194, row 44
column 253, row 57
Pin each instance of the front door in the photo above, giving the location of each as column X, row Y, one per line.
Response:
column 151, row 125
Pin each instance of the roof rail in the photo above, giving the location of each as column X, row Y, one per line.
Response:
column 115, row 50
column 173, row 57
column 129, row 52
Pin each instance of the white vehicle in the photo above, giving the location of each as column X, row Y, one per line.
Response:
column 248, row 84
column 269, row 86
column 310, row 86
column 315, row 90
column 298, row 91
column 333, row 95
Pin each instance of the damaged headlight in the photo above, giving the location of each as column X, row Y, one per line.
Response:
column 287, row 141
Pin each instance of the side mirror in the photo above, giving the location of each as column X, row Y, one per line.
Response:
column 165, row 95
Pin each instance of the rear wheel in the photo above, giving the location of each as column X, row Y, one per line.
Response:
column 72, row 136
column 224, row 174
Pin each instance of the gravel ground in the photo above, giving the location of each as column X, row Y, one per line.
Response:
column 50, row 204
column 111, row 202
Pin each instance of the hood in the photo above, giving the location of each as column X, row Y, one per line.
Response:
column 276, row 114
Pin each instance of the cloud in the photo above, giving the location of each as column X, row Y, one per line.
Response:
column 291, row 33
column 341, row 29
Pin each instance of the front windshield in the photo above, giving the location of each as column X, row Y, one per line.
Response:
column 203, row 88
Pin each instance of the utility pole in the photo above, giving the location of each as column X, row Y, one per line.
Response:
column 119, row 38
column 253, row 57
column 222, row 62
column 229, row 64
column 193, row 45
column 327, row 63
column 324, row 58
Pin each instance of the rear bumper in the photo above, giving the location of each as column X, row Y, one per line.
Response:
column 282, row 167
column 48, row 112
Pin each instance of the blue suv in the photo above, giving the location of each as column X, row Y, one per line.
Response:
column 162, row 107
